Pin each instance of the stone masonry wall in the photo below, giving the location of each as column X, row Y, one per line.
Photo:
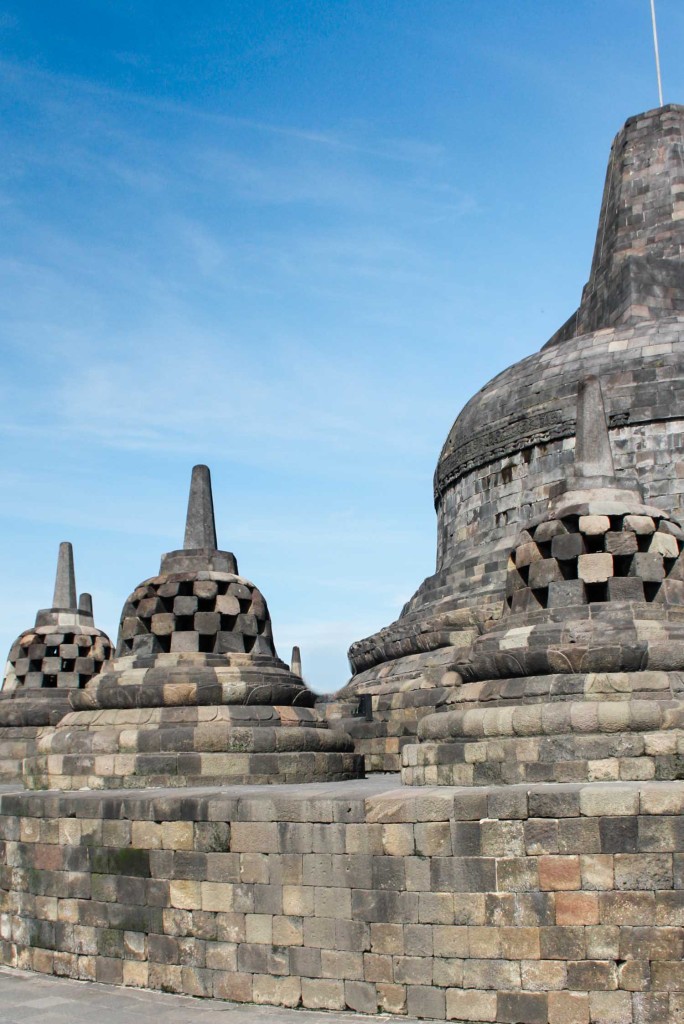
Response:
column 545, row 905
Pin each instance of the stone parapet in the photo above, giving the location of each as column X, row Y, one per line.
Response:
column 550, row 903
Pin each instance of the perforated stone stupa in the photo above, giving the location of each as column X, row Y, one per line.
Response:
column 511, row 447
column 62, row 652
column 581, row 679
column 196, row 692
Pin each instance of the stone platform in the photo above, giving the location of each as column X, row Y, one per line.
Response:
column 547, row 904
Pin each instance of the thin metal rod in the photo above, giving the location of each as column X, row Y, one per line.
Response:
column 657, row 54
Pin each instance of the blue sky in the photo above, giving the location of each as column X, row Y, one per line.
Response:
column 288, row 239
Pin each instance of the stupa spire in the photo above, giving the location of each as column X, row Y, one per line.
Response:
column 65, row 580
column 200, row 526
column 593, row 457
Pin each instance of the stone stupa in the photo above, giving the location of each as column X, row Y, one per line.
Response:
column 511, row 447
column 196, row 693
column 61, row 653
column 582, row 678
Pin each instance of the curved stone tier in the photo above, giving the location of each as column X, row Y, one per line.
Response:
column 196, row 693
column 190, row 746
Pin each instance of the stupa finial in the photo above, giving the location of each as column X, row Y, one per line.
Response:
column 200, row 527
column 65, row 580
column 593, row 457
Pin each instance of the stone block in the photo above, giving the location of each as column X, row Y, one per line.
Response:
column 187, row 641
column 568, row 547
column 522, row 1008
column 594, row 525
column 664, row 544
column 391, row 998
column 527, row 553
column 610, row 1007
column 183, row 606
column 361, row 996
column 625, row 588
column 647, row 566
column 207, row 623
column 425, row 1001
column 595, row 568
column 568, row 1008
column 230, row 643
column 323, row 994
column 471, row 1005
column 559, row 873
column 524, row 600
column 642, row 525
column 622, row 542
column 543, row 572
column 567, row 593
column 670, row 592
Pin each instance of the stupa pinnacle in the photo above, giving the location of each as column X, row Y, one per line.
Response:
column 65, row 581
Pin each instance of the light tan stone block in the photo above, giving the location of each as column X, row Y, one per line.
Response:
column 298, row 900
column 568, row 1008
column 276, row 991
column 135, row 974
column 259, row 928
column 610, row 1007
column 391, row 998
column 323, row 994
column 177, row 835
column 615, row 801
column 595, row 568
column 287, row 931
column 146, row 835
column 470, row 1005
column 186, row 895
column 593, row 525
column 398, row 840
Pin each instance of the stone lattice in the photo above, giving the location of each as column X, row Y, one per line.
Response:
column 203, row 612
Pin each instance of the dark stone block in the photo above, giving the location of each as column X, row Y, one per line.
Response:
column 619, row 834
column 567, row 547
column 522, row 1007
column 567, row 593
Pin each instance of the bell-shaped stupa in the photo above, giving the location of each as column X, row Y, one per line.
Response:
column 61, row 653
column 580, row 680
column 196, row 692
column 509, row 450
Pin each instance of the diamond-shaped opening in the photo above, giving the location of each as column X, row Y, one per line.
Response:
column 184, row 622
column 50, row 681
column 597, row 592
column 651, row 590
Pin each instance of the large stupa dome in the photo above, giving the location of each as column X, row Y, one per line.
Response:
column 511, row 447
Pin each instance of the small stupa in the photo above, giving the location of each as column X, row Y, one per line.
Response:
column 61, row 653
column 581, row 679
column 196, row 692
